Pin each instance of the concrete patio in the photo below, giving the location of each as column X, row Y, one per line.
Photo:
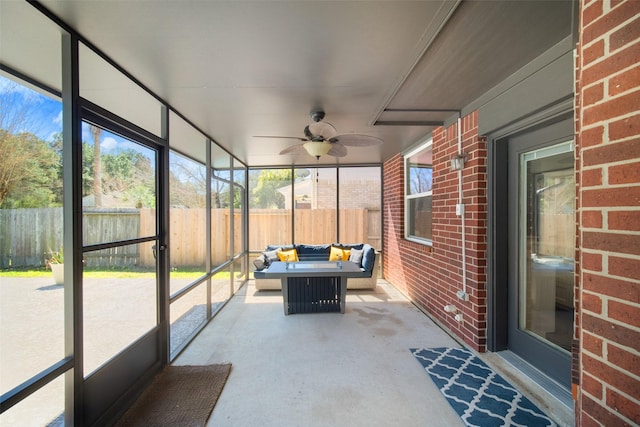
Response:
column 325, row 369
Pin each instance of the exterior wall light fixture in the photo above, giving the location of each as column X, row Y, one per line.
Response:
column 457, row 163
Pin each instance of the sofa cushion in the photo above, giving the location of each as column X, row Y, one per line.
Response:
column 339, row 254
column 349, row 245
column 368, row 257
column 278, row 247
column 356, row 256
column 290, row 255
column 312, row 250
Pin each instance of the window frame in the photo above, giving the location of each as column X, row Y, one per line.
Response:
column 408, row 231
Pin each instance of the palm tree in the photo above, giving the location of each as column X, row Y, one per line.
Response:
column 97, row 166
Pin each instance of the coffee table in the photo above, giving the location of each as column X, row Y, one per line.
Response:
column 313, row 286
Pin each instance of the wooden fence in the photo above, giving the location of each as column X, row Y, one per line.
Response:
column 314, row 226
column 28, row 235
column 557, row 235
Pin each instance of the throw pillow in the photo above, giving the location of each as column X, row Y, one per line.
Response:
column 339, row 254
column 356, row 256
column 291, row 255
column 368, row 257
column 260, row 262
column 271, row 256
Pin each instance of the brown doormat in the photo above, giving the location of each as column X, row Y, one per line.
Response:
column 178, row 396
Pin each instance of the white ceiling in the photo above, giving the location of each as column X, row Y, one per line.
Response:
column 237, row 69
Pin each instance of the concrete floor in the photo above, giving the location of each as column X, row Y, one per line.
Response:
column 325, row 369
column 332, row 369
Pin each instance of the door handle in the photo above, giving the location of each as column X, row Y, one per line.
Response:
column 157, row 248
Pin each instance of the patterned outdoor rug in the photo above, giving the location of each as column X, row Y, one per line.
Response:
column 479, row 395
column 178, row 396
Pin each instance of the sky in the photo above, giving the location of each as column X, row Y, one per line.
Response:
column 28, row 110
column 32, row 111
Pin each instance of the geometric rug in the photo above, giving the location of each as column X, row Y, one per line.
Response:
column 478, row 394
column 178, row 396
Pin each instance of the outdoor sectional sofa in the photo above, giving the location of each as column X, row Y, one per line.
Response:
column 364, row 255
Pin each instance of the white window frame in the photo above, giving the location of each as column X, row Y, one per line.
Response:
column 408, row 197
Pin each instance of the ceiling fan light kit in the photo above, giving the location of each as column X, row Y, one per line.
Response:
column 317, row 148
column 321, row 139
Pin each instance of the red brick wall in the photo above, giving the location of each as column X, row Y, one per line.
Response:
column 431, row 276
column 608, row 177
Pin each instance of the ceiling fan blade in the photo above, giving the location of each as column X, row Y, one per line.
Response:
column 294, row 149
column 324, row 129
column 337, row 150
column 281, row 137
column 357, row 140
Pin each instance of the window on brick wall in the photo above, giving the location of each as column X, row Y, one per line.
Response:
column 418, row 199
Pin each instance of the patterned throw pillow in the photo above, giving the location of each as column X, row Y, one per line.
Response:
column 260, row 263
column 339, row 254
column 271, row 256
column 291, row 255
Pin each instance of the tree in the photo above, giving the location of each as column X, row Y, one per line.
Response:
column 29, row 171
column 216, row 193
column 220, row 189
column 420, row 178
column 265, row 194
column 187, row 182
column 129, row 173
column 87, row 169
column 237, row 196
column 56, row 146
column 120, row 170
column 30, row 168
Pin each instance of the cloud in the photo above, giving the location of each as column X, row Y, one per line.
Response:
column 58, row 118
column 108, row 144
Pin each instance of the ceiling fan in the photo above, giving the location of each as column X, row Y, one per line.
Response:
column 321, row 138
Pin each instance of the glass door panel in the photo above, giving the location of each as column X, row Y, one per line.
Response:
column 547, row 242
